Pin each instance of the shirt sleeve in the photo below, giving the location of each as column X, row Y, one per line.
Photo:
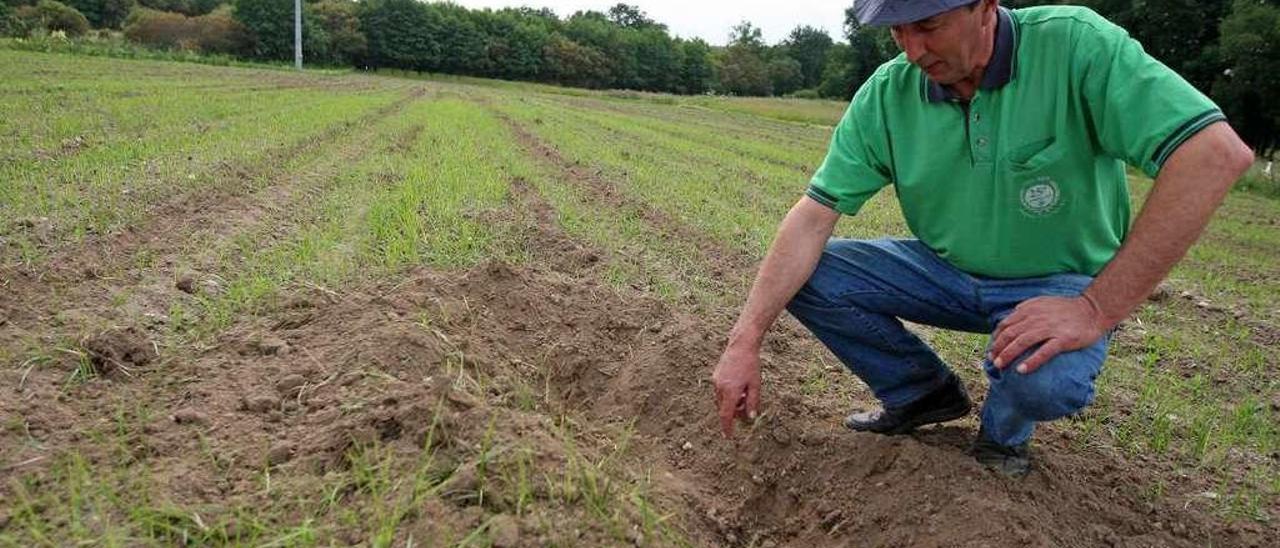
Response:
column 1141, row 110
column 855, row 167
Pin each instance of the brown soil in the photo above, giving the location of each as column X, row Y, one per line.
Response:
column 431, row 362
column 271, row 392
column 592, row 182
column 68, row 293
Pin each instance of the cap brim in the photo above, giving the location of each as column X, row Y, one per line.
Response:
column 885, row 13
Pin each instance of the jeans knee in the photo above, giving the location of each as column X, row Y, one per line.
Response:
column 1045, row 395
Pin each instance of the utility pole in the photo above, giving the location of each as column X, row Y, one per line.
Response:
column 297, row 34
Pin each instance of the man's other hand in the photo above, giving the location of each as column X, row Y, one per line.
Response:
column 1057, row 324
column 737, row 384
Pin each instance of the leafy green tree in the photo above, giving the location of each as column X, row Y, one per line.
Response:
column 657, row 59
column 785, row 75
column 1247, row 88
column 103, row 13
column 341, row 24
column 838, row 81
column 809, row 46
column 185, row 7
column 462, row 44
column 628, row 16
column 515, row 40
column 849, row 65
column 574, row 64
column 594, row 29
column 270, row 25
column 401, row 34
column 742, row 71
column 748, row 36
column 697, row 70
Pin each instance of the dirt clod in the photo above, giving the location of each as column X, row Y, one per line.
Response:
column 279, row 454
column 118, row 350
column 464, row 480
column 271, row 346
column 1161, row 293
column 186, row 284
column 505, row 531
column 190, row 416
column 260, row 403
column 290, row 384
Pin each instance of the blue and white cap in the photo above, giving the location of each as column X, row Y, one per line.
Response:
column 883, row 13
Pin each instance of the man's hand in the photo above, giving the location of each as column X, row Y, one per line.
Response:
column 737, row 385
column 1057, row 324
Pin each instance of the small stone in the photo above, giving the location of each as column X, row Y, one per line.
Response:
column 291, row 383
column 279, row 454
column 1187, row 295
column 1162, row 292
column 688, row 446
column 186, row 284
column 189, row 416
column 757, row 478
column 504, row 531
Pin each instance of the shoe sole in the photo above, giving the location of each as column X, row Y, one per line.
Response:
column 933, row 417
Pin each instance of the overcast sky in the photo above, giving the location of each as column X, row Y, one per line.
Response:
column 708, row 19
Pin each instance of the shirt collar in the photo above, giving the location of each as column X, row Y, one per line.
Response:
column 999, row 70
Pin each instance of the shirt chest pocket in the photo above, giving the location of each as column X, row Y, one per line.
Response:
column 1034, row 156
column 1035, row 172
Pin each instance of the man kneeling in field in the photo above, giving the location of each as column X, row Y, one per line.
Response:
column 1005, row 135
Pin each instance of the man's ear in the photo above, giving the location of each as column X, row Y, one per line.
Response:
column 988, row 8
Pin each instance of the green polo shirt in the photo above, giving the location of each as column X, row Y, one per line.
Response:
column 1027, row 178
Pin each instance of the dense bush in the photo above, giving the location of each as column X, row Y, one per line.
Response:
column 341, row 23
column 216, row 32
column 104, row 13
column 185, row 7
column 48, row 15
column 6, row 13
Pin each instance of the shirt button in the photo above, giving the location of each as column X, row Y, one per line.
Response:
column 982, row 141
column 977, row 117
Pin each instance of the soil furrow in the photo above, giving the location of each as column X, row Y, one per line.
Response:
column 720, row 260
column 85, row 283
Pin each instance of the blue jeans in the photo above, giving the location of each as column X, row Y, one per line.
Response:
column 854, row 302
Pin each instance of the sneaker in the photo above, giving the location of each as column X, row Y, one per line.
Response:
column 1009, row 461
column 945, row 403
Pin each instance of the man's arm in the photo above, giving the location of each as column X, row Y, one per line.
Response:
column 791, row 260
column 1190, row 186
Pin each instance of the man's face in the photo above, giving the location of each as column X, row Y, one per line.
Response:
column 947, row 46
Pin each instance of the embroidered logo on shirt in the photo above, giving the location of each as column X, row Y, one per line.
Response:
column 1040, row 197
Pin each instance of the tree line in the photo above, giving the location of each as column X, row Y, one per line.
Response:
column 1227, row 48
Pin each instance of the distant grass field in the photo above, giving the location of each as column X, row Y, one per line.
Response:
column 117, row 176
